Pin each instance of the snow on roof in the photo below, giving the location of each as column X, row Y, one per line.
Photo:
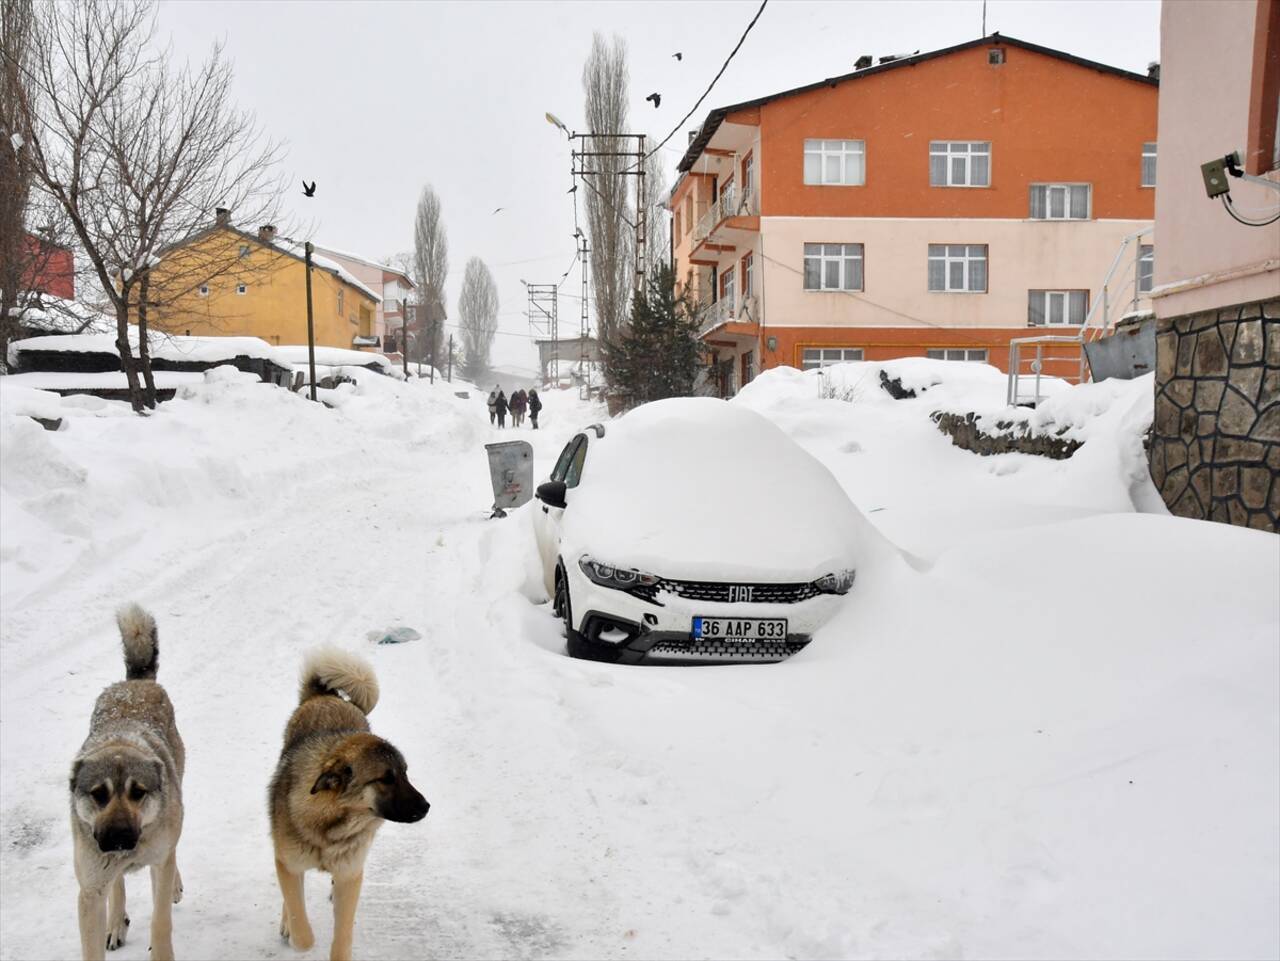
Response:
column 175, row 347
column 389, row 268
column 103, row 380
column 329, row 356
column 60, row 316
column 324, row 263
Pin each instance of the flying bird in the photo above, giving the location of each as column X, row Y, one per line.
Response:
column 572, row 189
column 308, row 190
column 678, row 55
column 498, row 211
column 656, row 98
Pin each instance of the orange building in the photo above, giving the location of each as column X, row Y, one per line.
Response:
column 933, row 205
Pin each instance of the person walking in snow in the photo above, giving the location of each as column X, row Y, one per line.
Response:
column 535, row 406
column 501, row 406
column 519, row 401
column 493, row 406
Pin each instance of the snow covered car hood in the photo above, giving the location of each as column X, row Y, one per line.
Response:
column 700, row 489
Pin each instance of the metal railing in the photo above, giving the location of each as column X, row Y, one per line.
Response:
column 1119, row 289
column 730, row 203
column 726, row 309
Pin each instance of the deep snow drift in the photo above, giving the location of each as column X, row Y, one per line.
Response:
column 1056, row 733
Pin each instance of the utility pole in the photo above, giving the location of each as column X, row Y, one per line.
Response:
column 610, row 146
column 584, row 323
column 404, row 336
column 311, row 329
column 450, row 378
column 544, row 319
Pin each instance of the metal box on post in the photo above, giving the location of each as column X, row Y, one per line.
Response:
column 511, row 471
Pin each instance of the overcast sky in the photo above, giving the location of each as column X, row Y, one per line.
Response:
column 376, row 99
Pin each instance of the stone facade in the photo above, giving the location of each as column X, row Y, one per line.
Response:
column 1009, row 437
column 1215, row 446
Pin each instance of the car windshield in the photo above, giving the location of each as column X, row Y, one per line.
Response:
column 575, row 465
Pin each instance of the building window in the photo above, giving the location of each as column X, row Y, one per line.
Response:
column 958, row 268
column 1055, row 307
column 1060, row 201
column 679, row 227
column 748, row 174
column 815, row 358
column 995, row 56
column 204, row 290
column 748, row 276
column 244, row 250
column 748, row 367
column 978, row 355
column 1148, row 165
column 688, row 212
column 841, row 162
column 341, row 303
column 833, row 267
column 726, row 285
column 959, row 164
column 1146, row 267
column 242, row 288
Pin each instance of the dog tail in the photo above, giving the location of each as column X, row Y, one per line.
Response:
column 328, row 670
column 141, row 648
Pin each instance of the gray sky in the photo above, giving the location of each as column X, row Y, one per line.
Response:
column 375, row 99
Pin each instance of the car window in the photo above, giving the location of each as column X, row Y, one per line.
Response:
column 566, row 456
column 575, row 465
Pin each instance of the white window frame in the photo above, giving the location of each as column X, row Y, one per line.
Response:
column 973, row 355
column 845, row 152
column 1148, row 153
column 203, row 290
column 962, row 254
column 748, row 273
column 826, row 356
column 242, row 289
column 959, row 150
column 845, row 257
column 1146, row 255
column 727, row 280
column 1064, row 191
column 244, row 250
column 1060, row 301
column 341, row 302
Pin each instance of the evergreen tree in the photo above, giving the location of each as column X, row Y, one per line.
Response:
column 658, row 354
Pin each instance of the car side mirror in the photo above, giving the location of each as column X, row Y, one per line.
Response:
column 552, row 493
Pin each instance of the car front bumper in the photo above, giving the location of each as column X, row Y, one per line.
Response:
column 617, row 626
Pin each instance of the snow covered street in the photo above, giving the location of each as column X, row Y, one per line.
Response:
column 1019, row 738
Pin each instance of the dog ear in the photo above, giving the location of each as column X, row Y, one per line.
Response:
column 157, row 768
column 335, row 777
column 75, row 771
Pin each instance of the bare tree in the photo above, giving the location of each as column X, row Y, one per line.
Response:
column 478, row 317
column 657, row 218
column 15, row 176
column 609, row 217
column 137, row 154
column 431, row 267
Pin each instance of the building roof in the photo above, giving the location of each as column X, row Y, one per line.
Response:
column 717, row 116
column 389, row 268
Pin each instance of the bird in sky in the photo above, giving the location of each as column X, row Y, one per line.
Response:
column 656, row 98
column 308, row 190
column 498, row 211
column 678, row 55
column 572, row 189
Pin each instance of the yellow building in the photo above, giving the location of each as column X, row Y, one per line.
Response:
column 225, row 281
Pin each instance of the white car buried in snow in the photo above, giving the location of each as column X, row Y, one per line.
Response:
column 693, row 531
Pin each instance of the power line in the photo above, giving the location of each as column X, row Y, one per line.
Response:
column 723, row 67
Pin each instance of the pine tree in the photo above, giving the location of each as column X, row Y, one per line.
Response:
column 658, row 354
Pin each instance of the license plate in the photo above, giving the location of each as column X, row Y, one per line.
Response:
column 740, row 628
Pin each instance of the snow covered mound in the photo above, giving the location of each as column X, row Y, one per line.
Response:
column 664, row 490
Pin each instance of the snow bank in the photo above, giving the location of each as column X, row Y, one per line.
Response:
column 296, row 354
column 102, row 380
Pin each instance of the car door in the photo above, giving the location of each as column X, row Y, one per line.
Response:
column 547, row 517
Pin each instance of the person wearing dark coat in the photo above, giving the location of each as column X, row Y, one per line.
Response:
column 501, row 406
column 535, row 407
column 518, row 404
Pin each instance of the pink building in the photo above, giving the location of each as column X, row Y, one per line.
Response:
column 390, row 282
column 1215, row 450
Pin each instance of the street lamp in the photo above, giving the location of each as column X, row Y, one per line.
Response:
column 556, row 122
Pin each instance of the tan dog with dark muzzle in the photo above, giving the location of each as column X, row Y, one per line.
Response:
column 334, row 786
column 126, row 798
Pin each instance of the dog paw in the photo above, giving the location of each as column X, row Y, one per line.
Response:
column 177, row 893
column 115, row 936
column 302, row 941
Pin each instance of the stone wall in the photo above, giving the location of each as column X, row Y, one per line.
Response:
column 1009, row 436
column 1215, row 446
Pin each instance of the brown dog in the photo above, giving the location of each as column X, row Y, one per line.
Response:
column 126, row 798
column 335, row 784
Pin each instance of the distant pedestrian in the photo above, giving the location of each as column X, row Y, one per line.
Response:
column 493, row 406
column 502, row 407
column 535, row 407
column 519, row 403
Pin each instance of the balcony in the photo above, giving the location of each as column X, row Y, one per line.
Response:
column 729, row 204
column 727, row 310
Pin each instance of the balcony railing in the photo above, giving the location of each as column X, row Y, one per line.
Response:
column 729, row 204
column 726, row 309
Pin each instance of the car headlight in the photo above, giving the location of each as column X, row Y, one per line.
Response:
column 838, row 583
column 619, row 578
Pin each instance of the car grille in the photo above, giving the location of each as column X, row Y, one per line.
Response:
column 730, row 593
column 708, row 650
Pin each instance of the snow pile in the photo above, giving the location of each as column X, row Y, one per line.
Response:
column 57, row 315
column 173, row 347
column 22, row 401
column 296, row 355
